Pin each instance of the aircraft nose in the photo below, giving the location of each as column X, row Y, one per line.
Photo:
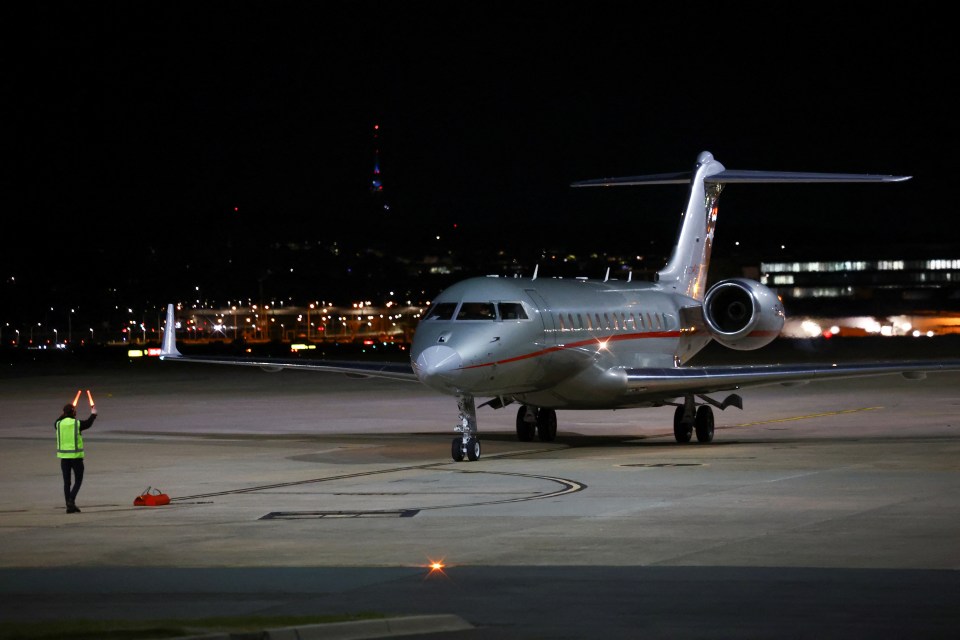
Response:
column 437, row 364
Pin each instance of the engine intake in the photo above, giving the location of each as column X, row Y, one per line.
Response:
column 742, row 314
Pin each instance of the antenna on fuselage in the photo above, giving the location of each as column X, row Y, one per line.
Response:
column 535, row 269
column 630, row 276
column 607, row 277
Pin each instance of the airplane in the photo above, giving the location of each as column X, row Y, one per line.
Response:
column 551, row 344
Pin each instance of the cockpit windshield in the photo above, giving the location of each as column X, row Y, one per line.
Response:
column 477, row 311
column 511, row 311
column 442, row 311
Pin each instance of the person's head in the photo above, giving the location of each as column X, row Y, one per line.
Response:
column 69, row 410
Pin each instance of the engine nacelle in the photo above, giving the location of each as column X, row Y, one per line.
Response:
column 742, row 314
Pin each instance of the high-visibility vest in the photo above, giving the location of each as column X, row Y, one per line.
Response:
column 69, row 440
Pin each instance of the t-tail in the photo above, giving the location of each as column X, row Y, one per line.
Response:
column 686, row 270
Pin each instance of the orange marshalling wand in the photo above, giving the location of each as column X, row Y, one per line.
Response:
column 89, row 396
column 76, row 398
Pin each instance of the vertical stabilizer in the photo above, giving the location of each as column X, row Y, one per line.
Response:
column 686, row 271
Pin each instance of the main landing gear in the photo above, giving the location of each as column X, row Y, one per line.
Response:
column 542, row 422
column 702, row 423
column 689, row 418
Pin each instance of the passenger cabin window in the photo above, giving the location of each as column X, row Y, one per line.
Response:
column 477, row 311
column 442, row 311
column 511, row 311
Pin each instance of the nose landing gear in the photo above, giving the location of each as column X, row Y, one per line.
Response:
column 467, row 444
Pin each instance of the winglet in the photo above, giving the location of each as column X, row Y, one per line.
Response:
column 169, row 345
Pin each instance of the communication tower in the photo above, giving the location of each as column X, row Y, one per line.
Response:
column 376, row 185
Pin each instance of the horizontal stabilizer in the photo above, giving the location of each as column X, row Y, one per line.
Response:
column 731, row 176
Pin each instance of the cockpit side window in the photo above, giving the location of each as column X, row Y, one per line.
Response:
column 477, row 311
column 512, row 311
column 442, row 311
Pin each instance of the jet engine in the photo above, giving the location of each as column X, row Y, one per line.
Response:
column 742, row 314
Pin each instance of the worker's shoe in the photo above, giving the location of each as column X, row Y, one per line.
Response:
column 72, row 507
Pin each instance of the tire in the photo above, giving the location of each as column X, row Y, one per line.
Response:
column 473, row 449
column 456, row 450
column 704, row 424
column 547, row 425
column 525, row 430
column 682, row 431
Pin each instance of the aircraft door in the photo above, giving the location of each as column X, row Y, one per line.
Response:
column 546, row 318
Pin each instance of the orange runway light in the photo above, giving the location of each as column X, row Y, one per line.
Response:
column 90, row 397
column 435, row 568
column 76, row 398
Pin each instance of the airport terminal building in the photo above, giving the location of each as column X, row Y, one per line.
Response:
column 900, row 296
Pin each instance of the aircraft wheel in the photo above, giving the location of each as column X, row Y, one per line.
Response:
column 473, row 449
column 525, row 430
column 682, row 431
column 704, row 424
column 547, row 425
column 456, row 450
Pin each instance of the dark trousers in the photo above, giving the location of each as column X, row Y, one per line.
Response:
column 68, row 465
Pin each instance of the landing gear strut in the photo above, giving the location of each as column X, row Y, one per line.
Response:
column 467, row 444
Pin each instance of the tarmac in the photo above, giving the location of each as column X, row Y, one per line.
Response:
column 828, row 510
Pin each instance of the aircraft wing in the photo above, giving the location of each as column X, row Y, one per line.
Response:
column 669, row 383
column 392, row 370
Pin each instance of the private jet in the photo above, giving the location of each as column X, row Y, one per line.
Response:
column 549, row 344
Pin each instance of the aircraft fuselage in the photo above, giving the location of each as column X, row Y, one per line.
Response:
column 555, row 343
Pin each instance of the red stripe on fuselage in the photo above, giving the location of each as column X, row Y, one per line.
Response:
column 582, row 343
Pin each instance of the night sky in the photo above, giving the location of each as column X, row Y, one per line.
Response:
column 141, row 135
